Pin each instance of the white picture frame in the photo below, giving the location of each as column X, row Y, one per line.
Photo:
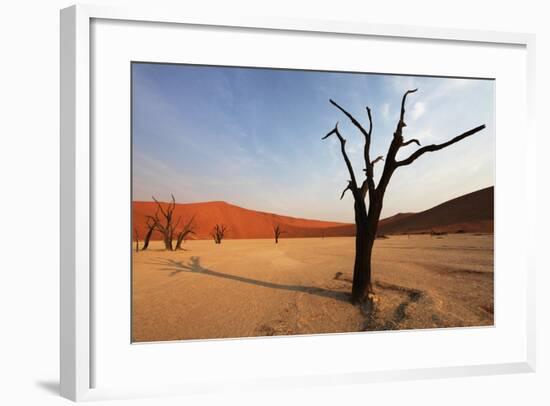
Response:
column 77, row 282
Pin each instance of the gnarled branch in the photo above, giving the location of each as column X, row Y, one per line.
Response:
column 405, row 143
column 352, row 119
column 151, row 224
column 370, row 121
column 348, row 187
column 344, row 154
column 188, row 228
column 436, row 147
column 401, row 122
column 380, row 158
column 396, row 143
column 170, row 208
column 368, row 164
column 367, row 135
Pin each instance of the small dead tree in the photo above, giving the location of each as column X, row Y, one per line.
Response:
column 277, row 231
column 188, row 228
column 366, row 219
column 136, row 239
column 218, row 233
column 165, row 222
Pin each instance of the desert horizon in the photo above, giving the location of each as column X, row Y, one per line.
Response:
column 472, row 212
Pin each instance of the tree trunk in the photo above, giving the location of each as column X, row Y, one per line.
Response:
column 146, row 239
column 168, row 243
column 178, row 242
column 361, row 268
column 362, row 285
column 366, row 227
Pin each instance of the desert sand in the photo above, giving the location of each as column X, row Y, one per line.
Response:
column 254, row 287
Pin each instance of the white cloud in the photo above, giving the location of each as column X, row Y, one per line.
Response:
column 386, row 111
column 418, row 110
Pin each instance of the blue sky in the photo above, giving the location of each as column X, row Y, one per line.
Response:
column 252, row 137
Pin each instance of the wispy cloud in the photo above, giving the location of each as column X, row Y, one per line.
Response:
column 385, row 111
column 418, row 110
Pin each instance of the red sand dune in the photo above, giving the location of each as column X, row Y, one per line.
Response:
column 469, row 213
column 240, row 222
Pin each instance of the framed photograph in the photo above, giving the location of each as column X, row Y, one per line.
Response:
column 266, row 202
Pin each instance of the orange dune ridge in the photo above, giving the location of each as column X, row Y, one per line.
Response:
column 240, row 222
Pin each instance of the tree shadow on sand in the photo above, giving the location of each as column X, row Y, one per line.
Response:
column 194, row 266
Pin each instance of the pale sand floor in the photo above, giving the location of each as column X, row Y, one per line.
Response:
column 247, row 288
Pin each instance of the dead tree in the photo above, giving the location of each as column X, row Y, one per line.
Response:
column 136, row 239
column 366, row 219
column 188, row 228
column 277, row 231
column 218, row 233
column 165, row 222
column 151, row 226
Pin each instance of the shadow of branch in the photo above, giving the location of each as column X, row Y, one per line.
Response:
column 194, row 266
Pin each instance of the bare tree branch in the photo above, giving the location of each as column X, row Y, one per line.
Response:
column 364, row 188
column 405, row 143
column 401, row 122
column 352, row 119
column 437, row 147
column 344, row 154
column 159, row 206
column 177, row 223
column 348, row 187
column 367, row 134
column 188, row 228
column 396, row 143
column 370, row 121
column 151, row 223
column 369, row 171
column 380, row 158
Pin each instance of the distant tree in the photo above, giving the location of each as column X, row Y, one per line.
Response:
column 366, row 220
column 277, row 231
column 188, row 228
column 164, row 223
column 218, row 233
column 136, row 239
